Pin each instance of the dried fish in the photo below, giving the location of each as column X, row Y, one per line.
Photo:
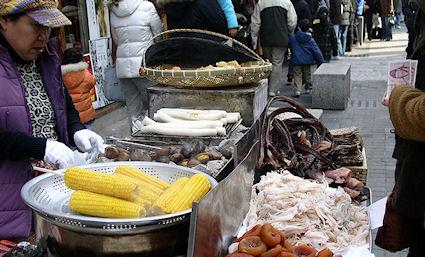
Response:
column 309, row 212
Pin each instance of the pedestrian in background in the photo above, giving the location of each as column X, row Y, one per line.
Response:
column 398, row 10
column 216, row 15
column 340, row 12
column 133, row 24
column 305, row 52
column 303, row 10
column 273, row 21
column 79, row 82
column 324, row 34
column 388, row 20
column 410, row 10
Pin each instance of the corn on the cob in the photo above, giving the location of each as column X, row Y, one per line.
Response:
column 146, row 195
column 159, row 206
column 142, row 184
column 135, row 173
column 98, row 205
column 194, row 189
column 97, row 182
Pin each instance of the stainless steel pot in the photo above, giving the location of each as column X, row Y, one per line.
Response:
column 62, row 242
column 70, row 234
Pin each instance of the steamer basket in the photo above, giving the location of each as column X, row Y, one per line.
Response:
column 252, row 72
column 48, row 196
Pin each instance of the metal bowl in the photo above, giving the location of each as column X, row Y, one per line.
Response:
column 68, row 231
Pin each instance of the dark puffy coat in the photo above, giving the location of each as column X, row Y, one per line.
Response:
column 302, row 9
column 304, row 49
column 200, row 14
column 324, row 34
column 335, row 11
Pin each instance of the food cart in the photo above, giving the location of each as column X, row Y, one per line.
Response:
column 209, row 228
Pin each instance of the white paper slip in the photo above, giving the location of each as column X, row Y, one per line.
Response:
column 376, row 213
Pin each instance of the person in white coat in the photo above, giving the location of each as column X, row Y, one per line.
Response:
column 133, row 24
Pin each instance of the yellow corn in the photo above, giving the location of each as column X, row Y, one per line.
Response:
column 159, row 206
column 194, row 189
column 147, row 193
column 135, row 173
column 97, row 182
column 142, row 184
column 98, row 205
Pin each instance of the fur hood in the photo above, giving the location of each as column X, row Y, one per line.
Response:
column 74, row 67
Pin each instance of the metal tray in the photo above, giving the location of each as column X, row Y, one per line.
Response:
column 177, row 139
column 49, row 197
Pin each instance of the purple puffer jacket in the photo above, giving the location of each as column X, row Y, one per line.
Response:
column 15, row 216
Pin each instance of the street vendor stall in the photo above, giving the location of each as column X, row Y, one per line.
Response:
column 282, row 171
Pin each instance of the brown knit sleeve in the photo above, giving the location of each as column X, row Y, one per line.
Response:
column 407, row 112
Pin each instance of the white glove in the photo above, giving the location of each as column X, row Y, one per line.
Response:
column 58, row 153
column 88, row 141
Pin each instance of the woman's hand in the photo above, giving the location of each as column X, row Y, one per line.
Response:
column 58, row 153
column 385, row 100
column 88, row 141
column 233, row 32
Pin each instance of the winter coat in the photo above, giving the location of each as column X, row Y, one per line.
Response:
column 79, row 82
column 410, row 8
column 229, row 12
column 304, row 50
column 387, row 7
column 407, row 113
column 409, row 150
column 15, row 215
column 273, row 21
column 133, row 24
column 324, row 36
column 335, row 13
column 303, row 10
column 314, row 6
column 360, row 7
column 348, row 10
column 200, row 14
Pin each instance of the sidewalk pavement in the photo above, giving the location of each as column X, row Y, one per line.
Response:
column 369, row 73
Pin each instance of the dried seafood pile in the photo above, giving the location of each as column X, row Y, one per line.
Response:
column 348, row 147
column 301, row 145
column 309, row 212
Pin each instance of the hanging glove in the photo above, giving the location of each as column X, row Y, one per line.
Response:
column 88, row 141
column 58, row 153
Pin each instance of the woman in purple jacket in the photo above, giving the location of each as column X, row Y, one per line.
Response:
column 37, row 117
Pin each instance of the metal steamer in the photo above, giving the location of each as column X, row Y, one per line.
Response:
column 70, row 234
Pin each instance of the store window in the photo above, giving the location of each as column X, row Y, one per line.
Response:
column 77, row 34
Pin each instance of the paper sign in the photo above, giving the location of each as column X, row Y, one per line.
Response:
column 401, row 73
column 376, row 213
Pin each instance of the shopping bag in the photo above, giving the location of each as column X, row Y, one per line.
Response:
column 112, row 85
column 394, row 235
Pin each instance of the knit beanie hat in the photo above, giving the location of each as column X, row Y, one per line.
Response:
column 44, row 12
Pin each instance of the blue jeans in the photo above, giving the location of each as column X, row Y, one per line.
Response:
column 387, row 28
column 341, row 38
column 398, row 19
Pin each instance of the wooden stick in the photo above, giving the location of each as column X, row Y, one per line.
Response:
column 55, row 172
